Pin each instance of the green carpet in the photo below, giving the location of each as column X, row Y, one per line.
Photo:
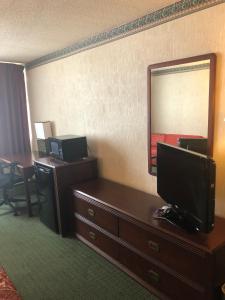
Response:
column 44, row 266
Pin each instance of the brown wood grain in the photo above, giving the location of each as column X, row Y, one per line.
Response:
column 97, row 238
column 97, row 215
column 188, row 266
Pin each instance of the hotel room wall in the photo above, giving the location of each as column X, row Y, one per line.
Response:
column 102, row 93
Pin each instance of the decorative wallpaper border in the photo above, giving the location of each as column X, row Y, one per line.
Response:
column 166, row 14
column 182, row 69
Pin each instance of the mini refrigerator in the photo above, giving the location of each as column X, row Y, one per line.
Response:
column 46, row 194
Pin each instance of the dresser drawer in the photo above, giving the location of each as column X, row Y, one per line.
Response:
column 97, row 238
column 173, row 287
column 96, row 215
column 182, row 260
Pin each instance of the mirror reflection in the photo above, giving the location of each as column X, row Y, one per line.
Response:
column 179, row 107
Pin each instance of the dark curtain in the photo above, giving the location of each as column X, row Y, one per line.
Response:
column 14, row 132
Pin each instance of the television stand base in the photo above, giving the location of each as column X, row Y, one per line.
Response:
column 175, row 217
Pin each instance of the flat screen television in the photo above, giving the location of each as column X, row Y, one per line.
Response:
column 186, row 181
column 194, row 144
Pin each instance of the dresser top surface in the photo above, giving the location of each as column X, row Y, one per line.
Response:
column 56, row 163
column 140, row 206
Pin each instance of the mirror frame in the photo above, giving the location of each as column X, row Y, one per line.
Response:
column 211, row 99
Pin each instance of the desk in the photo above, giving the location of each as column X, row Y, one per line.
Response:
column 25, row 165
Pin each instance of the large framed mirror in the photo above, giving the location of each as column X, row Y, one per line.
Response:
column 181, row 105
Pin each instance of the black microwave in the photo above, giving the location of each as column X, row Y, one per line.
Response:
column 68, row 148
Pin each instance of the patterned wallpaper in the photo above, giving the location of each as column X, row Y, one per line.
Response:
column 168, row 13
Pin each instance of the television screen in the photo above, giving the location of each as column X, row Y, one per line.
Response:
column 194, row 144
column 186, row 181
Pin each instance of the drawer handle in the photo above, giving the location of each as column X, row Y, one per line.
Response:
column 91, row 212
column 153, row 246
column 154, row 276
column 92, row 235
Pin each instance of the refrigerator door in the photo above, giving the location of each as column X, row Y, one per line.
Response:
column 45, row 186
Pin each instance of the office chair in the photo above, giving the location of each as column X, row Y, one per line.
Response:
column 8, row 181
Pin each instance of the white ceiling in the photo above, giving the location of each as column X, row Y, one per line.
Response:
column 30, row 29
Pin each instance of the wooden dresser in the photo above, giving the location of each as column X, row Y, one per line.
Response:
column 116, row 221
